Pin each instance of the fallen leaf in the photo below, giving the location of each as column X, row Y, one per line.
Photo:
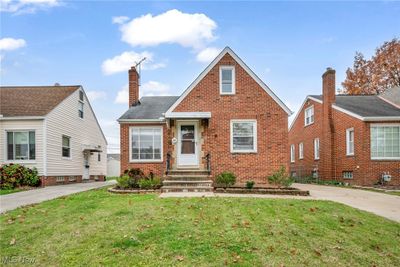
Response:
column 180, row 258
column 317, row 252
column 13, row 241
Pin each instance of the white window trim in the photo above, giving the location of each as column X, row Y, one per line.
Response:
column 348, row 143
column 62, row 146
column 233, row 80
column 130, row 144
column 292, row 153
column 254, row 137
column 316, row 151
column 6, row 146
column 301, row 151
column 305, row 115
column 382, row 125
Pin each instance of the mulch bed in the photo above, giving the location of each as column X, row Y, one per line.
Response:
column 263, row 190
column 133, row 191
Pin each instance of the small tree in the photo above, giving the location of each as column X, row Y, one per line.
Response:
column 280, row 178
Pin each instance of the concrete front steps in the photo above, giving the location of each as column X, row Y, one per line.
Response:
column 187, row 180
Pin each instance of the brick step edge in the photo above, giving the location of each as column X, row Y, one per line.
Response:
column 189, row 189
column 133, row 191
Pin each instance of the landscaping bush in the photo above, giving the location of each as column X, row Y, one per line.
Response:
column 123, row 182
column 150, row 183
column 134, row 174
column 250, row 184
column 280, row 178
column 225, row 179
column 15, row 175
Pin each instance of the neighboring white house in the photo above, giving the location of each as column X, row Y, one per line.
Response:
column 54, row 129
column 113, row 165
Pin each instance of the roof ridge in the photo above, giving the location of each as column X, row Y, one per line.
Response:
column 38, row 86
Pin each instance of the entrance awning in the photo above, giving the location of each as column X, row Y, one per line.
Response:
column 188, row 115
column 91, row 148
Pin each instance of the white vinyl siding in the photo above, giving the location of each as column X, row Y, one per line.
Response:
column 309, row 116
column 146, row 144
column 227, row 80
column 385, row 142
column 316, row 148
column 301, row 151
column 243, row 136
column 292, row 153
column 63, row 120
column 35, row 126
column 350, row 142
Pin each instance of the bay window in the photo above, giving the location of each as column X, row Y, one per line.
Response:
column 243, row 136
column 146, row 144
column 385, row 142
column 21, row 145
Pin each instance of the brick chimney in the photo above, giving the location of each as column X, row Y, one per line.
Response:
column 133, row 86
column 327, row 144
column 328, row 86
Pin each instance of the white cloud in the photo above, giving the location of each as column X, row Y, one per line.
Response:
column 122, row 95
column 26, row 6
column 127, row 59
column 208, row 54
column 171, row 27
column 96, row 95
column 8, row 44
column 150, row 88
column 120, row 19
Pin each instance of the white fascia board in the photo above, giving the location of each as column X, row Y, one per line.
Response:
column 244, row 66
column 188, row 115
column 345, row 111
column 389, row 118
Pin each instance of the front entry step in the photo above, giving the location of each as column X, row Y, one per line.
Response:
column 188, row 180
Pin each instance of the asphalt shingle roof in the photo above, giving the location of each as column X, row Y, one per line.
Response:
column 392, row 95
column 365, row 105
column 32, row 100
column 150, row 107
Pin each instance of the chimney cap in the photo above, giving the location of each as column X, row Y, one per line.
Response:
column 329, row 70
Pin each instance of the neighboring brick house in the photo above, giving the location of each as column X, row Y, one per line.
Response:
column 227, row 113
column 349, row 138
column 54, row 129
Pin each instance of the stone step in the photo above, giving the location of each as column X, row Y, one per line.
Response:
column 188, row 172
column 166, row 189
column 186, row 177
column 185, row 183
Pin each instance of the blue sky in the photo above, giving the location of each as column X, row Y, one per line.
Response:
column 288, row 44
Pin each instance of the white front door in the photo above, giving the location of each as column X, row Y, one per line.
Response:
column 188, row 155
column 86, row 174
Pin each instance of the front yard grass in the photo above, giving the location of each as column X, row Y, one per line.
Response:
column 97, row 228
column 10, row 191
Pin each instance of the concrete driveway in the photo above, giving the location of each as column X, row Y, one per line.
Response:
column 379, row 203
column 15, row 200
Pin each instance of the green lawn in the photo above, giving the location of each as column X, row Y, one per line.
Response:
column 102, row 229
column 10, row 191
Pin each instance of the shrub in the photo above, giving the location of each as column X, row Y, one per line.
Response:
column 134, row 174
column 280, row 178
column 123, row 182
column 15, row 175
column 150, row 183
column 250, row 184
column 225, row 179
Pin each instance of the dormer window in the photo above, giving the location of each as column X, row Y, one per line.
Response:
column 80, row 105
column 309, row 116
column 227, row 80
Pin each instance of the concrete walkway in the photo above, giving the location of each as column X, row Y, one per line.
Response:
column 19, row 199
column 381, row 204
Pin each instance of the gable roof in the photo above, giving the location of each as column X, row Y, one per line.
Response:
column 244, row 66
column 365, row 105
column 392, row 95
column 32, row 100
column 149, row 108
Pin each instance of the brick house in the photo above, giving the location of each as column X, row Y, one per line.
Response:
column 226, row 120
column 52, row 129
column 348, row 138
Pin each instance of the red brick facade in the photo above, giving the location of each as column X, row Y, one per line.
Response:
column 330, row 127
column 250, row 101
column 59, row 180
